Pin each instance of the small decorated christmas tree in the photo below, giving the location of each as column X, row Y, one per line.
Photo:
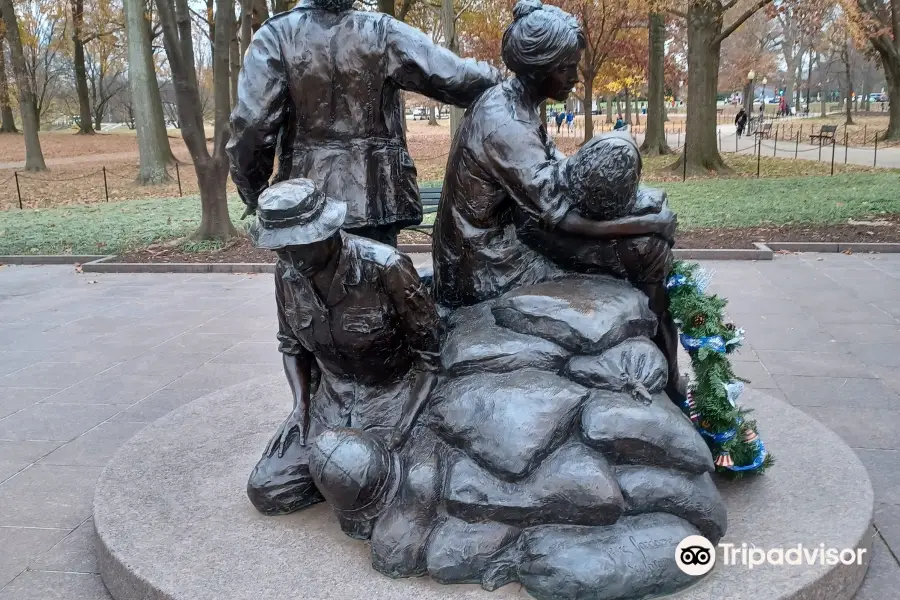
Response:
column 712, row 399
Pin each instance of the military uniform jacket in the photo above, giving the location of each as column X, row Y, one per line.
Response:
column 330, row 84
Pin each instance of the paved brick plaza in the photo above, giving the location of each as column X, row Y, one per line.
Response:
column 87, row 360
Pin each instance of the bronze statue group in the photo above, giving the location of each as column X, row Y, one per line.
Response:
column 465, row 425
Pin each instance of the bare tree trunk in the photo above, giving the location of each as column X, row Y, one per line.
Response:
column 748, row 97
column 98, row 110
column 867, row 86
column 588, row 114
column 81, row 88
column 448, row 19
column 7, row 121
column 235, row 63
column 609, row 110
column 387, row 7
column 799, row 80
column 704, row 27
column 212, row 170
column 153, row 152
column 892, row 75
column 655, row 137
column 432, row 118
column 809, row 78
column 34, row 157
column 259, row 14
column 845, row 55
column 246, row 25
column 628, row 105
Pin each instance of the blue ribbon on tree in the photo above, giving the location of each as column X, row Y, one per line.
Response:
column 699, row 280
column 716, row 343
column 675, row 281
column 719, row 438
column 757, row 462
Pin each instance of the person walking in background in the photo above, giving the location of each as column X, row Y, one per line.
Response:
column 741, row 121
column 560, row 117
column 570, row 119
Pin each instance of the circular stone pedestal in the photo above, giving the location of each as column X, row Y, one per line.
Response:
column 173, row 520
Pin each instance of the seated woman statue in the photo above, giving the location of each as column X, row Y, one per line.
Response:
column 512, row 203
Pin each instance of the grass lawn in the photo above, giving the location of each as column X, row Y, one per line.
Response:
column 101, row 228
column 742, row 202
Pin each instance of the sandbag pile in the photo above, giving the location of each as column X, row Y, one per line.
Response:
column 548, row 454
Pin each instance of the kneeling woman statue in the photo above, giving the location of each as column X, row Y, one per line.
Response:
column 513, row 207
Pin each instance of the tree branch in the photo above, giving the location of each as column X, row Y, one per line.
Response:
column 677, row 13
column 404, row 9
column 740, row 20
column 729, row 5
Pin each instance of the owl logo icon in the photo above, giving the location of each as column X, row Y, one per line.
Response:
column 695, row 555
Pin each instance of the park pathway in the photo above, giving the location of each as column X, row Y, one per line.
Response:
column 115, row 157
column 87, row 360
column 888, row 158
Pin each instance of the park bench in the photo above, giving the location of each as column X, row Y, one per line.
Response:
column 764, row 130
column 827, row 133
column 430, row 197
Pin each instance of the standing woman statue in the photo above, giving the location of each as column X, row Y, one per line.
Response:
column 328, row 81
column 505, row 178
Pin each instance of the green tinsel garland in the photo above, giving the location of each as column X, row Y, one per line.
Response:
column 731, row 436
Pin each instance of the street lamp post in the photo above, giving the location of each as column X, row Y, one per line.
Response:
column 748, row 93
column 765, row 80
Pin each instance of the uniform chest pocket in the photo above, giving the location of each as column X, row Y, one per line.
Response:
column 298, row 319
column 363, row 320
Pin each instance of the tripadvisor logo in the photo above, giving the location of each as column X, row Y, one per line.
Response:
column 696, row 555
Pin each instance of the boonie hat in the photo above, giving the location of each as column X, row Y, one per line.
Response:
column 295, row 213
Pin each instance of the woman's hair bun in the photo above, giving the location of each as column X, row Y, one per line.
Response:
column 523, row 8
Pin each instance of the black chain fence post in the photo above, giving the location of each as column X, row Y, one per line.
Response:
column 18, row 189
column 684, row 163
column 758, row 154
column 178, row 177
column 832, row 155
column 105, row 186
column 846, row 145
column 820, row 144
column 775, row 149
column 797, row 146
column 875, row 162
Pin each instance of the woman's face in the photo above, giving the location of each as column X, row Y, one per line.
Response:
column 558, row 83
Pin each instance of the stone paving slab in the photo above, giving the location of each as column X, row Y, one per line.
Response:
column 148, row 343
